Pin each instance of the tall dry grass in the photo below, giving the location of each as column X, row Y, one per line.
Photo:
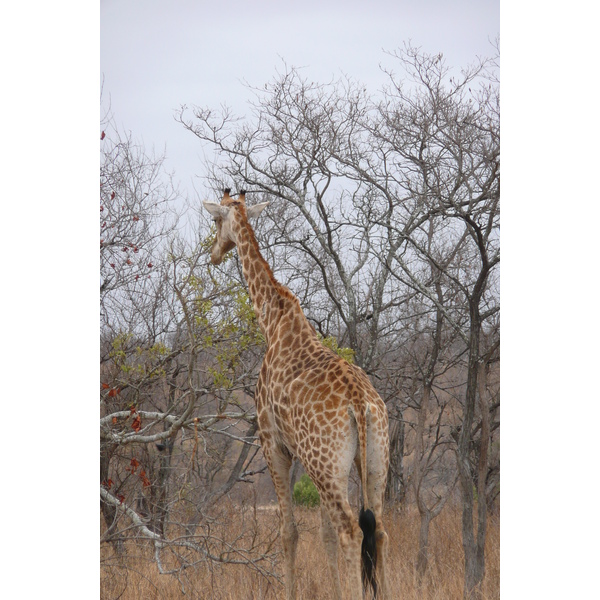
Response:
column 135, row 576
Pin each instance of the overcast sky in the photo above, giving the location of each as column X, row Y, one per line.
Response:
column 156, row 56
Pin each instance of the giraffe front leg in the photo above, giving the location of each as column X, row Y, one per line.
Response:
column 289, row 536
column 279, row 462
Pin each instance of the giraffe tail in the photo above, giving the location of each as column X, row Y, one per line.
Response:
column 366, row 520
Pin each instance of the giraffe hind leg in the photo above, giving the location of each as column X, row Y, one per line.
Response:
column 345, row 525
column 376, row 481
column 330, row 541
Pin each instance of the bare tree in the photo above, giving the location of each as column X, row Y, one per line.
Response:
column 427, row 455
column 134, row 203
column 454, row 146
column 178, row 362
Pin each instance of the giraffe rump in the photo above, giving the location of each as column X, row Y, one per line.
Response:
column 367, row 523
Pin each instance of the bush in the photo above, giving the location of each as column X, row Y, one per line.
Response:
column 305, row 493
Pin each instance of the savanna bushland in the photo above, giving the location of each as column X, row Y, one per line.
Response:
column 384, row 221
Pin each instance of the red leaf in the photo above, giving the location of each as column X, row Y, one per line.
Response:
column 137, row 423
column 102, row 135
column 112, row 196
column 134, row 465
column 144, row 478
column 149, row 265
column 121, row 498
column 115, row 420
column 105, row 386
column 113, row 392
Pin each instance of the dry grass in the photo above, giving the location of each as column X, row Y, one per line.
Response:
column 136, row 576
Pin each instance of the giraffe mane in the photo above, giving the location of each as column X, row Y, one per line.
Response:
column 282, row 289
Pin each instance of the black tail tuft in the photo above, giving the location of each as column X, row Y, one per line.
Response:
column 367, row 523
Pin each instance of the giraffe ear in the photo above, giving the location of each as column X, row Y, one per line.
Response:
column 216, row 210
column 254, row 211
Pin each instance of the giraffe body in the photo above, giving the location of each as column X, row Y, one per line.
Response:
column 312, row 405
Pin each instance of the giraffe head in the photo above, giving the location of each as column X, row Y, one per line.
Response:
column 225, row 215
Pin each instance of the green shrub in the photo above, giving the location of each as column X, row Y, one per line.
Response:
column 305, row 492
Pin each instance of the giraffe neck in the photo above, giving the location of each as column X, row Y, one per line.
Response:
column 265, row 291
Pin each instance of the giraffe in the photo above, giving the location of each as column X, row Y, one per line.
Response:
column 317, row 407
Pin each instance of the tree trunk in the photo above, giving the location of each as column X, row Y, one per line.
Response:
column 234, row 476
column 427, row 514
column 395, row 490
column 474, row 574
column 482, row 467
column 161, row 510
column 473, row 549
column 423, row 552
column 109, row 512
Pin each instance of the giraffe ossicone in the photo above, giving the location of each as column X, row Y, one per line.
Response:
column 315, row 406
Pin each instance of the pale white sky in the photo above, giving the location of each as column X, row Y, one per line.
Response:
column 156, row 56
